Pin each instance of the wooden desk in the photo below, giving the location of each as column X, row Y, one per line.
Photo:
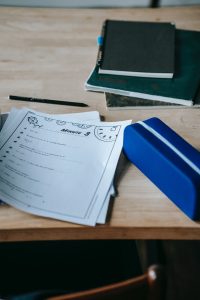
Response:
column 49, row 53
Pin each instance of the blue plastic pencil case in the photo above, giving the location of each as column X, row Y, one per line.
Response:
column 170, row 162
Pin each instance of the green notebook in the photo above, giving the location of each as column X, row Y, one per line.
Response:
column 181, row 89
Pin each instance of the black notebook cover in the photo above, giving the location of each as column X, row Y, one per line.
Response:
column 144, row 49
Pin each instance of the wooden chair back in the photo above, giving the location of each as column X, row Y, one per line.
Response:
column 149, row 286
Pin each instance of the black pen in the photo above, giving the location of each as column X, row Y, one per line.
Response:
column 48, row 101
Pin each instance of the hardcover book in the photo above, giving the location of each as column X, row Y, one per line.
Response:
column 118, row 102
column 143, row 49
column 181, row 89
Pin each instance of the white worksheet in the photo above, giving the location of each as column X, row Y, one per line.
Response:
column 58, row 168
column 88, row 116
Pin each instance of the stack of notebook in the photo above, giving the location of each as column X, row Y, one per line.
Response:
column 147, row 63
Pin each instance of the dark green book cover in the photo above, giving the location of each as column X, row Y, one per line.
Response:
column 181, row 89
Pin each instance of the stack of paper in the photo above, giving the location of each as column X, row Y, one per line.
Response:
column 59, row 166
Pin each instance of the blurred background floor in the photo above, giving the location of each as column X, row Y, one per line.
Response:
column 79, row 265
column 65, row 265
column 182, row 265
column 97, row 3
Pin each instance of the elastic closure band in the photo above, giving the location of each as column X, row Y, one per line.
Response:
column 167, row 143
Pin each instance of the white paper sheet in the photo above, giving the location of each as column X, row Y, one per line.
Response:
column 57, row 168
column 92, row 115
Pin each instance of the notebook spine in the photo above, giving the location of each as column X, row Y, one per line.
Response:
column 100, row 42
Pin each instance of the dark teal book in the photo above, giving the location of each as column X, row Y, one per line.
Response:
column 181, row 89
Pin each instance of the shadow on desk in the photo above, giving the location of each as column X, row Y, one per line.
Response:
column 65, row 265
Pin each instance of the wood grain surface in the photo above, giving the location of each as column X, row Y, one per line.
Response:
column 49, row 53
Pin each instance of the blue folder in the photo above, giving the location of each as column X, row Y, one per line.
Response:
column 170, row 162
